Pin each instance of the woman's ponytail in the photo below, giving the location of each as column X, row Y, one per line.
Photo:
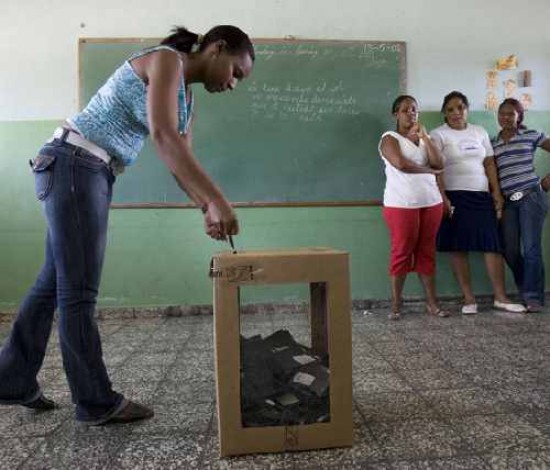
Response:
column 182, row 40
column 235, row 40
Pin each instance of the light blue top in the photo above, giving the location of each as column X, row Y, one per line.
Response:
column 116, row 116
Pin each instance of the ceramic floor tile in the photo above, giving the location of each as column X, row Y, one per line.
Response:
column 195, row 391
column 376, row 382
column 198, row 345
column 361, row 347
column 117, row 353
column 398, row 349
column 17, row 421
column 159, row 452
column 107, row 328
column 498, row 434
column 469, row 401
column 192, row 370
column 465, row 360
column 435, row 379
column 508, row 377
column 74, row 452
column 367, row 364
column 49, row 375
column 14, row 451
column 530, row 461
column 191, row 356
column 177, row 419
column 62, row 396
column 540, row 421
column 416, row 439
column 152, row 359
column 528, row 400
column 455, row 463
column 392, row 406
column 138, row 372
column 52, row 362
column 142, row 392
column 416, row 361
column 376, row 336
column 277, row 461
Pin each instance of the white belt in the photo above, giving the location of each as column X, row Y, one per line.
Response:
column 74, row 138
column 518, row 195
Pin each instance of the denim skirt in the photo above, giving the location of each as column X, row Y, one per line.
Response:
column 473, row 225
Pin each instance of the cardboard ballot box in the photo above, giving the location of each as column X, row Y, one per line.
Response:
column 318, row 376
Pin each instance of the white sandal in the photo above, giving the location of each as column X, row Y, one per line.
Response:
column 469, row 309
column 509, row 307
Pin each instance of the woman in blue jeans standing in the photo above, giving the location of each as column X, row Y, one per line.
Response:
column 526, row 201
column 74, row 172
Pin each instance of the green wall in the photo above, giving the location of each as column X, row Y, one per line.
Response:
column 159, row 257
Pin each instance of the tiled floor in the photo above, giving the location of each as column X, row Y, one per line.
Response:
column 429, row 393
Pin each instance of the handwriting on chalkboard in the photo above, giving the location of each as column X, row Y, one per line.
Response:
column 310, row 103
column 375, row 54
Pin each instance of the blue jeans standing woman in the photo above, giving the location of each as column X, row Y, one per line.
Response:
column 526, row 200
column 148, row 95
column 522, row 225
column 75, row 189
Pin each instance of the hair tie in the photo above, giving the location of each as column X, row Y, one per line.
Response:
column 195, row 47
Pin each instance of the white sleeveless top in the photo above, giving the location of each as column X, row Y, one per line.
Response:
column 409, row 190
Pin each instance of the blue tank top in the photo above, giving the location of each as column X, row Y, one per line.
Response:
column 116, row 116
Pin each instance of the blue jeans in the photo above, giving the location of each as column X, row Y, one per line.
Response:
column 75, row 188
column 522, row 225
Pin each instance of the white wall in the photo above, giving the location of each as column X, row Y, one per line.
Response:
column 450, row 44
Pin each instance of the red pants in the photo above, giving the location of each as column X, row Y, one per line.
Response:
column 413, row 233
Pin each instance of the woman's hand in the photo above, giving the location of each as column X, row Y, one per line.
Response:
column 448, row 207
column 422, row 132
column 498, row 201
column 417, row 131
column 220, row 220
column 545, row 183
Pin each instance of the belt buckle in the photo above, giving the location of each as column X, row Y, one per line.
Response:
column 516, row 196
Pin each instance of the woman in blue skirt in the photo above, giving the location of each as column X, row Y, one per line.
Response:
column 472, row 201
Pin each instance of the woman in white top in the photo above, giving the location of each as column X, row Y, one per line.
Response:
column 412, row 203
column 472, row 200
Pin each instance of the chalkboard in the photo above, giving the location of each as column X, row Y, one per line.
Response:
column 302, row 130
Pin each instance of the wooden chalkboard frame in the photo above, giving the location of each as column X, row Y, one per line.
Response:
column 288, row 40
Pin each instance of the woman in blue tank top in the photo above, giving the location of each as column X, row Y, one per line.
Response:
column 149, row 95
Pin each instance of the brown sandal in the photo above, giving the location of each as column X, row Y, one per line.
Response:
column 395, row 313
column 132, row 411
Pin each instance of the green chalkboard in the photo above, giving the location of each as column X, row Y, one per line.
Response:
column 304, row 128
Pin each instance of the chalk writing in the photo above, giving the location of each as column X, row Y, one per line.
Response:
column 311, row 103
column 374, row 54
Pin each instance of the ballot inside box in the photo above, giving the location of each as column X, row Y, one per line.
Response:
column 282, row 382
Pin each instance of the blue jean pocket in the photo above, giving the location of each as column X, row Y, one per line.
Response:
column 42, row 167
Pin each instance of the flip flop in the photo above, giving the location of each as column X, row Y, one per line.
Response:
column 394, row 315
column 438, row 312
